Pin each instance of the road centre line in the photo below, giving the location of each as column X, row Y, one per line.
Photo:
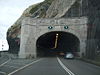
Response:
column 24, row 67
column 65, row 68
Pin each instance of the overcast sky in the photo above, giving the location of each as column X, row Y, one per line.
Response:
column 10, row 11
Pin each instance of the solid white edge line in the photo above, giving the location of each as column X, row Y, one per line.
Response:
column 11, row 66
column 24, row 67
column 3, row 72
column 5, row 62
column 65, row 68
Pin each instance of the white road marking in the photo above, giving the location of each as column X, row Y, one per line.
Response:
column 3, row 72
column 24, row 67
column 14, row 63
column 5, row 62
column 65, row 68
column 11, row 66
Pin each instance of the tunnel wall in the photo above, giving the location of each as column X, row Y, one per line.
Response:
column 32, row 29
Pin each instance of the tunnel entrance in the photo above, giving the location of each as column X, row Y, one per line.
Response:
column 57, row 43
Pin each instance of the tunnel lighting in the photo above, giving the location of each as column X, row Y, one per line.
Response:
column 57, row 34
column 65, row 27
column 56, row 41
column 50, row 27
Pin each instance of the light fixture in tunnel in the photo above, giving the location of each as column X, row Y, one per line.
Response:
column 50, row 27
column 66, row 27
column 57, row 34
column 56, row 41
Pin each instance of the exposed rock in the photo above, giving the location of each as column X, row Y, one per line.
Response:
column 13, row 33
column 58, row 9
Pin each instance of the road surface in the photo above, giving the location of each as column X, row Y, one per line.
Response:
column 8, row 65
column 59, row 66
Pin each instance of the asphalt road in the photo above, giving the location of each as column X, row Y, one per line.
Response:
column 59, row 66
column 8, row 65
column 3, row 59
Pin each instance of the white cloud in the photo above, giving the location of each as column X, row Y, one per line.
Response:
column 11, row 10
column 9, row 15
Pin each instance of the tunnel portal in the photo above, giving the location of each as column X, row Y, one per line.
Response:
column 48, row 37
column 55, row 43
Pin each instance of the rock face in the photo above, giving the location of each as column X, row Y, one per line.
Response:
column 60, row 9
column 13, row 33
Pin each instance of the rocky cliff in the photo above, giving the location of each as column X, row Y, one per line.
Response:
column 60, row 9
column 13, row 33
column 46, row 9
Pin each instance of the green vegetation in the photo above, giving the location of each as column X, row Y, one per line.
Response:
column 49, row 1
column 35, row 8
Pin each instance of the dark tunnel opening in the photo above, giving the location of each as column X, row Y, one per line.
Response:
column 55, row 43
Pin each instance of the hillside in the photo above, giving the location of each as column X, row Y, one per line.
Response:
column 61, row 9
column 13, row 33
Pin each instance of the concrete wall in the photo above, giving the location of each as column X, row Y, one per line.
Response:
column 32, row 29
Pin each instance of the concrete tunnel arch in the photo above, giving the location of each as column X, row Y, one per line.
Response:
column 66, row 42
column 33, row 30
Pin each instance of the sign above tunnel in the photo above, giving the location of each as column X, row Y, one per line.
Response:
column 55, row 22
